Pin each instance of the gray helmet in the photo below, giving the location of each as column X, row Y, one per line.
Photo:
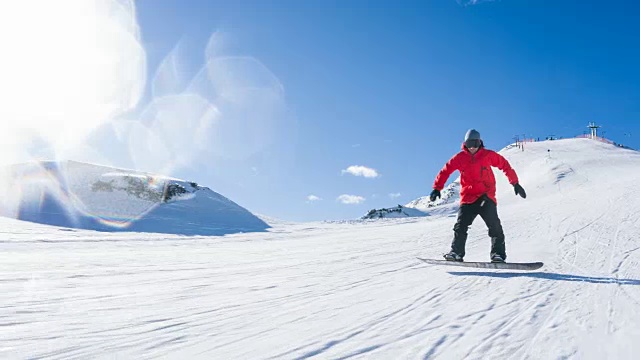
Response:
column 472, row 134
column 472, row 139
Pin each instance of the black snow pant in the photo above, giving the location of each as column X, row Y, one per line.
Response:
column 488, row 211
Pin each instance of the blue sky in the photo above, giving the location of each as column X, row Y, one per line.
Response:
column 394, row 86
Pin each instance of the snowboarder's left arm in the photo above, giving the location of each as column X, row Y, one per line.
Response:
column 501, row 163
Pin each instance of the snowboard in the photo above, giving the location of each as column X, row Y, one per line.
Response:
column 487, row 265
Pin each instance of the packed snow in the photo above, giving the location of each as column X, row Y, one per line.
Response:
column 348, row 289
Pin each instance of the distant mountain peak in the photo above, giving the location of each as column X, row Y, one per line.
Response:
column 450, row 194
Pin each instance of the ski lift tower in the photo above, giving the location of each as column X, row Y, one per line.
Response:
column 594, row 130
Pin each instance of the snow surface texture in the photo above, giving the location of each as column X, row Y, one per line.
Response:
column 86, row 196
column 336, row 290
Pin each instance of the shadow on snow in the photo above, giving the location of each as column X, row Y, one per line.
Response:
column 550, row 276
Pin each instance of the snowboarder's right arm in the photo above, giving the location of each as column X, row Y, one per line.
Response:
column 451, row 166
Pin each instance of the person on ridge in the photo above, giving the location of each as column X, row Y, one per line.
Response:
column 477, row 193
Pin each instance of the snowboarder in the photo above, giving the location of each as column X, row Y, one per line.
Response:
column 477, row 193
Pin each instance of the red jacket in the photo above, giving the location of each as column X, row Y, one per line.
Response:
column 476, row 176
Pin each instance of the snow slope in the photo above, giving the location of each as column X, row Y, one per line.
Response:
column 352, row 289
column 88, row 196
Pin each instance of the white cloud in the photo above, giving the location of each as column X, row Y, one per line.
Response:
column 394, row 195
column 312, row 198
column 355, row 145
column 472, row 2
column 359, row 170
column 350, row 199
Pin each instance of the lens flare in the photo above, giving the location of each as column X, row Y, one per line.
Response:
column 69, row 66
column 74, row 73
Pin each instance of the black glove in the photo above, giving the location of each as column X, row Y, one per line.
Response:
column 519, row 190
column 435, row 194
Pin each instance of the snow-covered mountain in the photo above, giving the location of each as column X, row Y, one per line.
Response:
column 423, row 206
column 338, row 290
column 87, row 196
column 449, row 195
column 394, row 212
